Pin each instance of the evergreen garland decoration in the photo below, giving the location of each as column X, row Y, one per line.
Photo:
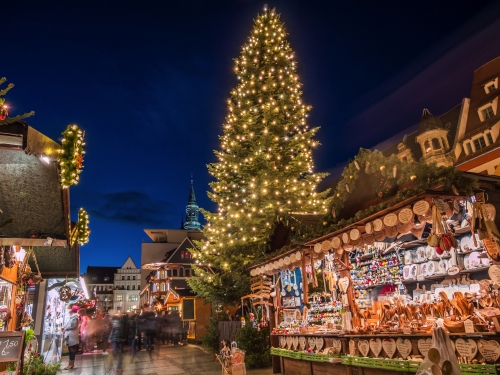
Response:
column 71, row 155
column 83, row 230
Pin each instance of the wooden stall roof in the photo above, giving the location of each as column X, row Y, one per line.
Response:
column 294, row 250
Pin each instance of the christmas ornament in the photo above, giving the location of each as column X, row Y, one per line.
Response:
column 65, row 293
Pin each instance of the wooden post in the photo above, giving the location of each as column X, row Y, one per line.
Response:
column 305, row 286
column 347, row 273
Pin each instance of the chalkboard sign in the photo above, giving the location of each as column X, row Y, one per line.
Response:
column 188, row 309
column 12, row 347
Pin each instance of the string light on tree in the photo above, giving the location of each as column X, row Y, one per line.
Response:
column 265, row 162
column 71, row 155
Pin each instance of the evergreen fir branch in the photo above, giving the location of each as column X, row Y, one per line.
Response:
column 10, row 120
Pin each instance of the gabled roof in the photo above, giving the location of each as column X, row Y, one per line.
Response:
column 174, row 256
column 129, row 263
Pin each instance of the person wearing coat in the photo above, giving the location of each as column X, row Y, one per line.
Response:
column 71, row 335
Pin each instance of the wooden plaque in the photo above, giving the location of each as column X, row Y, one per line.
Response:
column 369, row 228
column 354, row 234
column 345, row 237
column 421, row 207
column 405, row 215
column 378, row 225
column 390, row 220
column 336, row 242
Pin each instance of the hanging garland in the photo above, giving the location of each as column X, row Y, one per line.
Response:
column 71, row 155
column 83, row 230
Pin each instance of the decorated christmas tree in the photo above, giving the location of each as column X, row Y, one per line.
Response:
column 265, row 164
column 4, row 109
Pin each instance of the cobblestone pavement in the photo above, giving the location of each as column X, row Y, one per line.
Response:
column 163, row 360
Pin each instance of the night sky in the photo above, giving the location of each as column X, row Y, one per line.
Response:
column 148, row 81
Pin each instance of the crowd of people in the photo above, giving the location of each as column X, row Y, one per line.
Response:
column 118, row 333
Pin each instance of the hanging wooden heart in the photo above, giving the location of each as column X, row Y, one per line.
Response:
column 302, row 343
column 364, row 347
column 466, row 348
column 311, row 342
column 352, row 347
column 404, row 347
column 319, row 343
column 289, row 342
column 424, row 345
column 389, row 346
column 376, row 346
column 336, row 346
column 282, row 341
column 490, row 350
column 295, row 342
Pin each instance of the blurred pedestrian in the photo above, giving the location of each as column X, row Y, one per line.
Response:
column 71, row 336
column 117, row 338
column 176, row 323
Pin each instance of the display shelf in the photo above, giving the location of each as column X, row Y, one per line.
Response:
column 470, row 251
column 474, row 270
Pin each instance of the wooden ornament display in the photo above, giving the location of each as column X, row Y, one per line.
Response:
column 391, row 232
column 302, row 343
column 466, row 348
column 376, row 346
column 405, row 215
column 336, row 346
column 421, row 207
column 364, row 347
column 289, row 342
column 389, row 346
column 319, row 343
column 379, row 235
column 489, row 349
column 311, row 342
column 369, row 228
column 298, row 255
column 317, row 248
column 368, row 239
column 295, row 342
column 336, row 242
column 378, row 225
column 354, row 234
column 390, row 220
column 424, row 345
column 326, row 246
column 352, row 347
column 282, row 341
column 494, row 273
column 345, row 238
column 404, row 347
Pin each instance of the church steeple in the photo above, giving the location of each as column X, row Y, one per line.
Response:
column 192, row 211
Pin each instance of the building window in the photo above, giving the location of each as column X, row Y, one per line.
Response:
column 169, row 273
column 479, row 143
column 128, row 287
column 468, row 148
column 487, row 112
column 123, row 277
column 94, row 278
column 491, row 88
column 133, row 298
column 106, row 278
column 133, row 277
column 427, row 146
column 181, row 272
column 119, row 297
column 128, row 277
column 435, row 144
column 489, row 138
column 162, row 287
column 174, row 273
column 187, row 272
column 133, row 287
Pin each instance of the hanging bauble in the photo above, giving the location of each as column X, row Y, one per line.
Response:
column 413, row 177
column 382, row 167
column 65, row 293
column 347, row 188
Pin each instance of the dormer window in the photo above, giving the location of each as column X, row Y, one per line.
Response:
column 488, row 110
column 491, row 86
column 489, row 138
column 468, row 148
column 479, row 143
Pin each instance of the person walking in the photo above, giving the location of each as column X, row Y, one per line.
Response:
column 71, row 334
column 176, row 322
column 133, row 334
column 116, row 338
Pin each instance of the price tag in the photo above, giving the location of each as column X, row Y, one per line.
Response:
column 469, row 326
column 407, row 331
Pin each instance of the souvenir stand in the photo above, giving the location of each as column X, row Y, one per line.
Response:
column 430, row 260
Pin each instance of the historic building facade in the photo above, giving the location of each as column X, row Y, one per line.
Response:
column 127, row 286
column 466, row 136
column 100, row 285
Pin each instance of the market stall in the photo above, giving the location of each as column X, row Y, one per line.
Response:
column 387, row 280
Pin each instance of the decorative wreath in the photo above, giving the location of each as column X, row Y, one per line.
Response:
column 71, row 155
column 65, row 293
column 7, row 315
